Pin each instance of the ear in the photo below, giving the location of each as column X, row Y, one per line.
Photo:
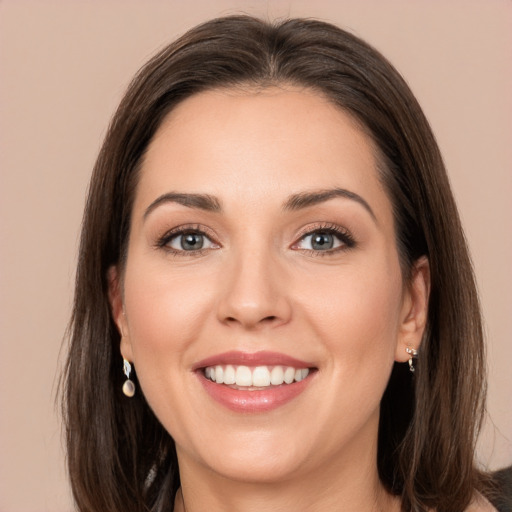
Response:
column 115, row 297
column 414, row 310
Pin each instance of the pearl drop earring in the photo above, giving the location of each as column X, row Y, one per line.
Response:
column 128, row 386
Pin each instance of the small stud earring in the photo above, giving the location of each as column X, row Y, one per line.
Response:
column 414, row 354
column 128, row 386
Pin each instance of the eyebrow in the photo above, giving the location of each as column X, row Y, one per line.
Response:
column 199, row 201
column 307, row 199
column 295, row 202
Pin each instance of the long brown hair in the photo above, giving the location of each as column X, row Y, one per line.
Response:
column 119, row 456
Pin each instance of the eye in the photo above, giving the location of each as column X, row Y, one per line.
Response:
column 325, row 240
column 319, row 241
column 186, row 240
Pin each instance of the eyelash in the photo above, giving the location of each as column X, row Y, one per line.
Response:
column 196, row 229
column 342, row 234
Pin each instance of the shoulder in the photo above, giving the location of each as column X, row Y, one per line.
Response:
column 480, row 504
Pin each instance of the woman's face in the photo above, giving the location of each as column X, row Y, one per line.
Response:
column 262, row 302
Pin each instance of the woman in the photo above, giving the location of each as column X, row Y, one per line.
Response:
column 271, row 246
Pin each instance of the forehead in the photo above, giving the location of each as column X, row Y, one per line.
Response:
column 256, row 145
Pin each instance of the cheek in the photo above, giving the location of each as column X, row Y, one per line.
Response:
column 360, row 332
column 165, row 314
column 164, row 311
column 358, row 319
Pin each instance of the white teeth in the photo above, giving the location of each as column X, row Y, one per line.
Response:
column 289, row 375
column 261, row 376
column 301, row 374
column 243, row 376
column 258, row 377
column 229, row 375
column 277, row 376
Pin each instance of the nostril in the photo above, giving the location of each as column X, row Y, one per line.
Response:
column 266, row 319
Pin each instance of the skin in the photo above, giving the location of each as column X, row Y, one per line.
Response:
column 259, row 285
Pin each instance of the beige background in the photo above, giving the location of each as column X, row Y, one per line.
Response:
column 63, row 68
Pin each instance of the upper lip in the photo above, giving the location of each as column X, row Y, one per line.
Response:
column 261, row 358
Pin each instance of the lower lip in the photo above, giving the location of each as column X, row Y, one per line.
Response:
column 253, row 401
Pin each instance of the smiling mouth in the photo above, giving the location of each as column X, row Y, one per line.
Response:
column 254, row 378
column 254, row 382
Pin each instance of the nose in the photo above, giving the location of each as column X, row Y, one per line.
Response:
column 255, row 292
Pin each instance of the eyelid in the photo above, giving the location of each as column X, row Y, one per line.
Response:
column 182, row 229
column 343, row 234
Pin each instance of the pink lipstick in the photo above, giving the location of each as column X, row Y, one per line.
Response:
column 253, row 382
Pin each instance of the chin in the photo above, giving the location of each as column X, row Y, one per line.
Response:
column 254, row 457
column 257, row 470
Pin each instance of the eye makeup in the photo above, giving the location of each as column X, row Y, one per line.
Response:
column 322, row 239
column 325, row 239
column 187, row 240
